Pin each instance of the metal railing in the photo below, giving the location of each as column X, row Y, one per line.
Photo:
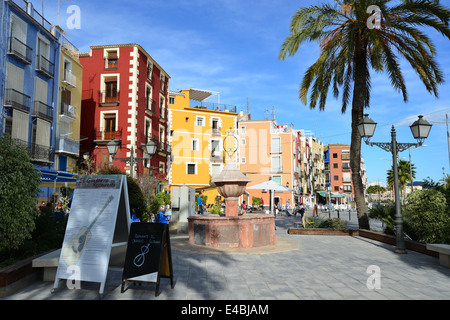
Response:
column 64, row 145
column 18, row 100
column 20, row 50
column 43, row 111
column 45, row 66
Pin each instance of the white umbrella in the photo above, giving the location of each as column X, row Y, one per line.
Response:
column 273, row 186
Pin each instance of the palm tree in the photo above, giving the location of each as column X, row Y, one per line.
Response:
column 350, row 50
column 406, row 172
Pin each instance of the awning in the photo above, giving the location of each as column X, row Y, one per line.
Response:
column 51, row 178
column 333, row 194
column 201, row 95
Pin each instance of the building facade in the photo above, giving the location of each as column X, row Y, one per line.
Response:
column 125, row 99
column 339, row 174
column 29, row 79
column 268, row 150
column 69, row 108
column 203, row 140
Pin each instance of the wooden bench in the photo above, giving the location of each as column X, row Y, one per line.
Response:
column 444, row 253
column 49, row 263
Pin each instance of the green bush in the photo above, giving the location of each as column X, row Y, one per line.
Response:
column 335, row 223
column 386, row 214
column 427, row 217
column 19, row 189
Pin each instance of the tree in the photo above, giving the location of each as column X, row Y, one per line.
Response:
column 19, row 190
column 376, row 189
column 351, row 46
column 406, row 172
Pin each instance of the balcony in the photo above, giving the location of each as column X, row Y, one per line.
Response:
column 164, row 115
column 163, row 147
column 17, row 100
column 20, row 50
column 150, row 106
column 43, row 111
column 345, row 156
column 67, row 112
column 42, row 153
column 45, row 66
column 70, row 79
column 102, row 137
column 67, row 146
column 109, row 99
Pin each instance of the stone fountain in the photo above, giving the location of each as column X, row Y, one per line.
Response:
column 232, row 231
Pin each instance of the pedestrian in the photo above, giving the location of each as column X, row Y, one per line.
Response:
column 200, row 203
column 134, row 217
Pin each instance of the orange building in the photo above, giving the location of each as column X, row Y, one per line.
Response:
column 267, row 150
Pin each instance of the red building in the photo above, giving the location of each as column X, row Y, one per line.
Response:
column 125, row 99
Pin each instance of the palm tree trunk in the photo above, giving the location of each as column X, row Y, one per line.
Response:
column 360, row 80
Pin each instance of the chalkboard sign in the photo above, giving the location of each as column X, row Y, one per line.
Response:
column 148, row 255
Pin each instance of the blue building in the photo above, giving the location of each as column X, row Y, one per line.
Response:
column 29, row 69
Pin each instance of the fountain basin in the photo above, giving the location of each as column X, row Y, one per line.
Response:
column 247, row 231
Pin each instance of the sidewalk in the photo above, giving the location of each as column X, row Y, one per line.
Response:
column 298, row 268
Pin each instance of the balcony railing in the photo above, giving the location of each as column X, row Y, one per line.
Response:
column 101, row 135
column 18, row 100
column 68, row 110
column 70, row 79
column 108, row 99
column 64, row 145
column 45, row 66
column 20, row 50
column 164, row 114
column 43, row 111
column 42, row 153
column 150, row 105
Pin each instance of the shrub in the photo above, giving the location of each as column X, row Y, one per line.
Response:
column 427, row 217
column 386, row 214
column 19, row 189
column 334, row 223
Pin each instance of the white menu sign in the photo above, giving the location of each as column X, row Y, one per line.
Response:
column 91, row 228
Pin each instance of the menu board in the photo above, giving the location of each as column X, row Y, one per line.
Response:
column 148, row 254
column 95, row 223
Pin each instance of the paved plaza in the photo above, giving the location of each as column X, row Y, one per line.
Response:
column 300, row 267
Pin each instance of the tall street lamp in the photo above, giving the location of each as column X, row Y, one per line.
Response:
column 150, row 147
column 420, row 130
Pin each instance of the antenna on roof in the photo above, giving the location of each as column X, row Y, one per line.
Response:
column 266, row 114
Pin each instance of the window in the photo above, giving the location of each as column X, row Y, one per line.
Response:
column 110, row 89
column 110, row 126
column 336, row 178
column 336, row 189
column 243, row 141
column 276, row 145
column 335, row 155
column 111, row 61
column 149, row 71
column 18, row 41
column 243, row 129
column 200, row 121
column 277, row 179
column 163, row 82
column 148, row 98
column 215, row 126
column 276, row 164
column 148, row 130
column 171, row 100
column 335, row 165
column 194, row 144
column 191, row 168
column 243, row 160
column 216, row 170
column 215, row 148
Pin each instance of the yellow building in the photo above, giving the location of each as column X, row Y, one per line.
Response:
column 69, row 108
column 202, row 139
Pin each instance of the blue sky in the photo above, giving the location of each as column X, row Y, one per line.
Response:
column 232, row 46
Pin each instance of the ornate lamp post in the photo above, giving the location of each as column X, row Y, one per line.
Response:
column 420, row 130
column 150, row 147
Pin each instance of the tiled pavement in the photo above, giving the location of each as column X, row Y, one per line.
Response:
column 298, row 268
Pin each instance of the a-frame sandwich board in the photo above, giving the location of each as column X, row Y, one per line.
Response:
column 99, row 221
column 149, row 255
